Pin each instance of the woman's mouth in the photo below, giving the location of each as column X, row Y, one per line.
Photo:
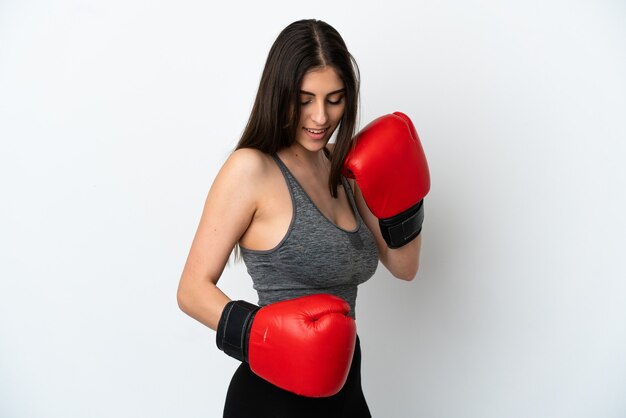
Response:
column 315, row 133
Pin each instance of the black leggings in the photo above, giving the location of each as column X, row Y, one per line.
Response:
column 251, row 396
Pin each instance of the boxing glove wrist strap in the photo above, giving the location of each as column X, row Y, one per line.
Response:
column 401, row 229
column 233, row 330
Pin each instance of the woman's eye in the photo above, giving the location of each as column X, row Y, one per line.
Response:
column 336, row 102
column 331, row 102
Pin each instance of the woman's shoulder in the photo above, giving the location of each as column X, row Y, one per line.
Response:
column 242, row 178
column 249, row 162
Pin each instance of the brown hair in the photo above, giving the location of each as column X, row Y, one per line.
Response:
column 302, row 46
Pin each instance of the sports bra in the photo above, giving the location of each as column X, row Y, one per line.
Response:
column 315, row 255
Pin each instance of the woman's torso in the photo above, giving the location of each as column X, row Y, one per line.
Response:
column 302, row 241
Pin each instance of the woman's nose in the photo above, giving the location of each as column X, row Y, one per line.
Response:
column 319, row 116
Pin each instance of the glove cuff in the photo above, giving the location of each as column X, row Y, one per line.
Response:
column 403, row 228
column 233, row 330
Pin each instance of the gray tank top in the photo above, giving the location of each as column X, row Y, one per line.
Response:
column 315, row 255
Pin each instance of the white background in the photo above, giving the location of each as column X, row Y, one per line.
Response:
column 115, row 117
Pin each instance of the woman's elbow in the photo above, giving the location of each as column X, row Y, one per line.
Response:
column 407, row 273
column 406, row 276
column 182, row 298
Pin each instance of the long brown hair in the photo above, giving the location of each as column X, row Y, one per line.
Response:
column 301, row 47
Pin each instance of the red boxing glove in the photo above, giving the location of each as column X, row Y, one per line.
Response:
column 303, row 345
column 390, row 167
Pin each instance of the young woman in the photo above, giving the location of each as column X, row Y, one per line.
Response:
column 301, row 226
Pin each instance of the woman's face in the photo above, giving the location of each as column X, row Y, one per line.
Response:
column 322, row 102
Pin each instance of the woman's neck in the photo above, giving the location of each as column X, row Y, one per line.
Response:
column 312, row 161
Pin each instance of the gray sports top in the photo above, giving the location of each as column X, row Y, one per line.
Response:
column 315, row 255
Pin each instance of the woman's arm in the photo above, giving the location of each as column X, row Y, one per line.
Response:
column 402, row 262
column 229, row 208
